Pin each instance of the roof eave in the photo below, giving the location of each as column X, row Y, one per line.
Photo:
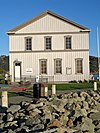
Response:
column 86, row 30
column 9, row 33
column 12, row 31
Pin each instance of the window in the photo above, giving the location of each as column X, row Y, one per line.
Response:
column 43, row 66
column 68, row 42
column 58, row 66
column 48, row 43
column 28, row 43
column 79, row 66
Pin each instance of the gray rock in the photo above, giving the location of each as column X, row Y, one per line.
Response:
column 57, row 109
column 37, row 111
column 1, row 121
column 80, row 99
column 87, row 125
column 54, row 130
column 98, row 107
column 33, row 106
column 85, row 105
column 11, row 131
column 47, row 115
column 55, row 116
column 38, row 127
column 69, row 106
column 9, row 124
column 79, row 112
column 95, row 116
column 2, row 115
column 30, row 107
column 24, row 104
column 70, row 112
column 22, row 128
column 56, row 102
column 14, row 108
column 98, row 125
column 98, row 131
column 75, row 95
column 33, row 120
column 63, row 119
column 2, row 125
column 10, row 117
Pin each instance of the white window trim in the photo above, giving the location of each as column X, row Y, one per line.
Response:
column 65, row 42
column 76, row 68
column 55, row 66
column 45, row 43
column 26, row 44
column 40, row 66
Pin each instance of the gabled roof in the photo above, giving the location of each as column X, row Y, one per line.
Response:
column 42, row 15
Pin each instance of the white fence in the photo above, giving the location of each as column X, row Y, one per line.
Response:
column 32, row 79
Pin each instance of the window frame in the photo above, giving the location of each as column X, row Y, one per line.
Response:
column 77, row 67
column 40, row 67
column 67, row 70
column 26, row 47
column 45, row 43
column 65, row 37
column 55, row 67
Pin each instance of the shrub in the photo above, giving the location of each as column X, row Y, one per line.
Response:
column 2, row 82
column 92, row 81
column 80, row 81
column 85, row 81
column 74, row 81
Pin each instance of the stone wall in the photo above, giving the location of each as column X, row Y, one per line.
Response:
column 75, row 112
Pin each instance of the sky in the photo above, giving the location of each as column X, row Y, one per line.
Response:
column 15, row 12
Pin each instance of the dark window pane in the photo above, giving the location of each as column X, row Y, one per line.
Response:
column 28, row 43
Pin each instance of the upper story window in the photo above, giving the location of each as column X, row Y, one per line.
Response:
column 79, row 66
column 58, row 66
column 48, row 43
column 28, row 43
column 68, row 42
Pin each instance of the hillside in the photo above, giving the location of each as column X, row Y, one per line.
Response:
column 93, row 64
column 4, row 64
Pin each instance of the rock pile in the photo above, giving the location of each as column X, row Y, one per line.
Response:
column 74, row 112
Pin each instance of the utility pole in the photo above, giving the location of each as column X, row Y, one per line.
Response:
column 98, row 51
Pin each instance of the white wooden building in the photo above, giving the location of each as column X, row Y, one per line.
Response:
column 50, row 46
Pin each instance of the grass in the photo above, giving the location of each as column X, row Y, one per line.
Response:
column 22, row 93
column 63, row 86
column 72, row 86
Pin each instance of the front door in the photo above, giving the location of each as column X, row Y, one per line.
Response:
column 17, row 72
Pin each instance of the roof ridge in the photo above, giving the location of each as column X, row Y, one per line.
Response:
column 42, row 15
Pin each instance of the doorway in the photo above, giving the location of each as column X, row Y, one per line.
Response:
column 17, row 72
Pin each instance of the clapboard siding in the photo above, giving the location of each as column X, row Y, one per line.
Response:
column 31, row 60
column 79, row 41
column 48, row 24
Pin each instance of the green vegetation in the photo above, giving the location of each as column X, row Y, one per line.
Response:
column 4, row 67
column 63, row 86
column 72, row 86
column 4, row 64
column 93, row 64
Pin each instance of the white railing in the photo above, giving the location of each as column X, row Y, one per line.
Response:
column 32, row 79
